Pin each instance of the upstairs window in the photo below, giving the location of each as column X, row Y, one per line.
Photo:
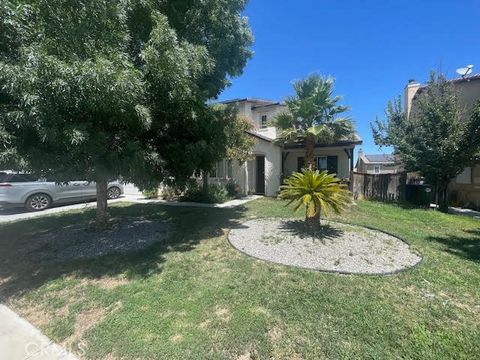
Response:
column 376, row 169
column 264, row 121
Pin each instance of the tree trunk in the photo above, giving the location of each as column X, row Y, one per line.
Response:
column 443, row 203
column 310, row 152
column 312, row 218
column 205, row 181
column 102, row 196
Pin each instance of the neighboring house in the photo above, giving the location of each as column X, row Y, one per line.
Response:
column 270, row 162
column 377, row 164
column 465, row 188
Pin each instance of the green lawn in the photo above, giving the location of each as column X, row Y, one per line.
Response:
column 196, row 297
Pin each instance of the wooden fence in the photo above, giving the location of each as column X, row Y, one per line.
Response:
column 383, row 187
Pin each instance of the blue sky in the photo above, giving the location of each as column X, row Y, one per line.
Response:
column 370, row 47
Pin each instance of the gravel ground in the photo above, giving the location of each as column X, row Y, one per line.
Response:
column 77, row 242
column 338, row 248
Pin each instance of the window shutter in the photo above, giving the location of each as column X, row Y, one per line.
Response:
column 300, row 163
column 332, row 164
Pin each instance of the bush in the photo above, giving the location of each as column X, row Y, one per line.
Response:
column 151, row 193
column 170, row 192
column 233, row 189
column 214, row 194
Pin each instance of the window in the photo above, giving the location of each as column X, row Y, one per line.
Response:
column 17, row 178
column 465, row 177
column 220, row 169
column 376, row 169
column 329, row 163
column 300, row 163
column 322, row 163
column 230, row 169
column 264, row 121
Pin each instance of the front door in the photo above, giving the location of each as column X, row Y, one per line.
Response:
column 260, row 183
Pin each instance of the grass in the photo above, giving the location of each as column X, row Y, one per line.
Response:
column 196, row 297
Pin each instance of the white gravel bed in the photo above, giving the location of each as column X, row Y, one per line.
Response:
column 337, row 248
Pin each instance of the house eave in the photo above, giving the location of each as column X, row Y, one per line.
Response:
column 258, row 136
column 335, row 144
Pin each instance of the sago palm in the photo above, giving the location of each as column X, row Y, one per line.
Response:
column 316, row 191
column 313, row 116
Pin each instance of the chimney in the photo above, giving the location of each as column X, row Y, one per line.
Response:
column 410, row 91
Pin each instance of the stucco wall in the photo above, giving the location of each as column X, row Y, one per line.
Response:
column 245, row 174
column 384, row 169
column 467, row 191
column 273, row 165
column 468, row 92
column 343, row 161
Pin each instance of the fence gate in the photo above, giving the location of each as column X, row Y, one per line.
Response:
column 383, row 187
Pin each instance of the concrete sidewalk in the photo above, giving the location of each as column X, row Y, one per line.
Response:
column 20, row 340
column 20, row 214
column 465, row 212
column 226, row 205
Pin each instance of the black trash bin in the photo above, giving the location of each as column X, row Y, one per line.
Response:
column 421, row 195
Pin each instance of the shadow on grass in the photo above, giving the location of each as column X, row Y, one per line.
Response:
column 24, row 266
column 467, row 247
column 297, row 228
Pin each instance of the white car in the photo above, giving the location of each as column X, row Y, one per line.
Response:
column 39, row 194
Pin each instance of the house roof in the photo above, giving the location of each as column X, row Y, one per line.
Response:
column 356, row 140
column 467, row 78
column 460, row 80
column 268, row 105
column 258, row 102
column 378, row 158
column 261, row 137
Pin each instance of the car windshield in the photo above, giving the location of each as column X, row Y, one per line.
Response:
column 16, row 178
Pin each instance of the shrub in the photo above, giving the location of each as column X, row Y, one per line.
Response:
column 170, row 192
column 151, row 193
column 233, row 189
column 317, row 192
column 214, row 194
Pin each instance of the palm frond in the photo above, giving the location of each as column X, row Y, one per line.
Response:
column 313, row 188
column 283, row 121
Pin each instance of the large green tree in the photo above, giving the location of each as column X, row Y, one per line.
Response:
column 313, row 116
column 220, row 133
column 101, row 89
column 439, row 138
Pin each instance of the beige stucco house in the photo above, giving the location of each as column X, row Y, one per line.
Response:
column 465, row 188
column 377, row 164
column 270, row 162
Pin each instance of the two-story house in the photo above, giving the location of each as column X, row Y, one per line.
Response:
column 377, row 164
column 270, row 162
column 465, row 188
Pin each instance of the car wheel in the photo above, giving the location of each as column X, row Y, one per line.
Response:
column 38, row 202
column 114, row 192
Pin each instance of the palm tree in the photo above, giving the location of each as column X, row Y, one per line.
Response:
column 317, row 191
column 312, row 116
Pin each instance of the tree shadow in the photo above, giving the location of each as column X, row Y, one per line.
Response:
column 298, row 228
column 465, row 247
column 25, row 266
